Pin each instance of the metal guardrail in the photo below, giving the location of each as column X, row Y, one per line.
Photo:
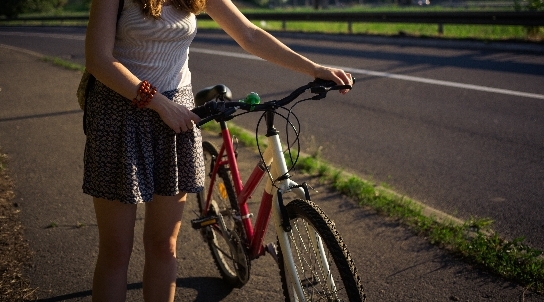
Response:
column 490, row 18
column 440, row 18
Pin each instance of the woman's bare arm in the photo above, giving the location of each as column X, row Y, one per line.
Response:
column 260, row 43
column 99, row 42
column 100, row 62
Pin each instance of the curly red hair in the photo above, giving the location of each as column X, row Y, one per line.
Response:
column 153, row 8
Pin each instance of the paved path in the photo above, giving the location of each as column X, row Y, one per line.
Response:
column 40, row 130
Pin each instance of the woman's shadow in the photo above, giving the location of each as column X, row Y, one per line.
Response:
column 209, row 289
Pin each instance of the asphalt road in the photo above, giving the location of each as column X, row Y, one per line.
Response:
column 464, row 151
column 40, row 131
column 458, row 126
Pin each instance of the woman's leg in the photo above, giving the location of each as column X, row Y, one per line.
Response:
column 116, row 235
column 161, row 228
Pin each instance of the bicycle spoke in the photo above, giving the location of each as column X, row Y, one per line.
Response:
column 228, row 255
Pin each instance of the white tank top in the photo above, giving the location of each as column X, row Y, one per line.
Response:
column 156, row 50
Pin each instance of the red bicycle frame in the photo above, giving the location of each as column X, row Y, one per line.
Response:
column 255, row 235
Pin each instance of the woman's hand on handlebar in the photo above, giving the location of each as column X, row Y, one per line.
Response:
column 339, row 76
column 177, row 117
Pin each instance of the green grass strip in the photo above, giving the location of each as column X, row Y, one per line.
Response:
column 64, row 64
column 450, row 31
column 473, row 240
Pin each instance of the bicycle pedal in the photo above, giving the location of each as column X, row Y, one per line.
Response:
column 203, row 222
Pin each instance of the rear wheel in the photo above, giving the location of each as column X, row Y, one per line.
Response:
column 228, row 248
column 335, row 279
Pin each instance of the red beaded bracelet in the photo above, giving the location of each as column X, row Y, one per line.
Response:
column 145, row 94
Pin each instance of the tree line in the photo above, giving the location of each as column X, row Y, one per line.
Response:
column 13, row 8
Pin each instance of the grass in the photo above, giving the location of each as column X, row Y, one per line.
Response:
column 63, row 63
column 472, row 240
column 450, row 31
column 485, row 32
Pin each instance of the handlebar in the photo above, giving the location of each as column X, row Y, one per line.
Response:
column 222, row 108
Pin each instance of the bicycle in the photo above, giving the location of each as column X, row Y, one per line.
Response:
column 314, row 262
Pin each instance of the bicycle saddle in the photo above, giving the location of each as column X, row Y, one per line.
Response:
column 211, row 93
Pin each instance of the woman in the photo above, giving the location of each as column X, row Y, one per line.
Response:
column 141, row 145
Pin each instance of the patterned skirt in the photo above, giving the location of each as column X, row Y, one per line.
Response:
column 131, row 154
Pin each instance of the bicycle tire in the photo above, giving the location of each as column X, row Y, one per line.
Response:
column 306, row 217
column 233, row 265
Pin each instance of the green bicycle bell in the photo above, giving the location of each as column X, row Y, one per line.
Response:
column 252, row 99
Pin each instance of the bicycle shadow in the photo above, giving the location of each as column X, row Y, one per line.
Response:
column 208, row 289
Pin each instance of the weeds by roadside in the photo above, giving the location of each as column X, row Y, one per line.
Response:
column 65, row 64
column 473, row 240
column 14, row 250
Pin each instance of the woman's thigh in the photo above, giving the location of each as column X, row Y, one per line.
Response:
column 115, row 222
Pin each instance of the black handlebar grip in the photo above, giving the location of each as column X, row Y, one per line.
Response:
column 326, row 83
column 201, row 111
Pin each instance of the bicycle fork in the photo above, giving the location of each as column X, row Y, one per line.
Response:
column 281, row 220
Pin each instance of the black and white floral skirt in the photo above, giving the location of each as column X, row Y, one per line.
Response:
column 131, row 154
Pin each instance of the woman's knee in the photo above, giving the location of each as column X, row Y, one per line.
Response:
column 160, row 249
column 162, row 224
column 115, row 255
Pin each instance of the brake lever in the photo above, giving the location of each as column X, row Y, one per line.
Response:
column 206, row 120
column 205, row 112
column 227, row 114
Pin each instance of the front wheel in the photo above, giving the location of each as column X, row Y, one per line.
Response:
column 323, row 264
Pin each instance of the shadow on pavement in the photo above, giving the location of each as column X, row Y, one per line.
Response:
column 201, row 285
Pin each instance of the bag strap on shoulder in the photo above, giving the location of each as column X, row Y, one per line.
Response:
column 120, row 9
